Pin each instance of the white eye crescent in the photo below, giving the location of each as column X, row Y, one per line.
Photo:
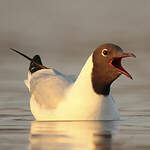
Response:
column 105, row 52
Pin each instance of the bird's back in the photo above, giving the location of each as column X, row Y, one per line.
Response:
column 47, row 89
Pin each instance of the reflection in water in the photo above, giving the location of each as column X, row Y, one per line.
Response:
column 83, row 135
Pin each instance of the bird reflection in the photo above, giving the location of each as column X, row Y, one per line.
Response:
column 79, row 135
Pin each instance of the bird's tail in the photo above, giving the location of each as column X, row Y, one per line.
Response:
column 35, row 65
column 36, row 60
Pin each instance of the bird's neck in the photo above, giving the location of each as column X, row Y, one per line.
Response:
column 100, row 83
column 91, row 81
column 83, row 83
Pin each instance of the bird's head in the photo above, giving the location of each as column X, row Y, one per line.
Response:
column 107, row 67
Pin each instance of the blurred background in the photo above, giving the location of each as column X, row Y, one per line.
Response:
column 64, row 33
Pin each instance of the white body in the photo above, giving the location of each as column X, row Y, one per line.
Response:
column 55, row 96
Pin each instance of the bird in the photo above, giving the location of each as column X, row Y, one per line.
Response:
column 55, row 96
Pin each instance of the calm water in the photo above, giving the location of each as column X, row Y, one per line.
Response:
column 64, row 34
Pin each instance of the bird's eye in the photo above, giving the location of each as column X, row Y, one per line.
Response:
column 105, row 52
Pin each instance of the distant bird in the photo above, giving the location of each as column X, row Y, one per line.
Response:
column 55, row 96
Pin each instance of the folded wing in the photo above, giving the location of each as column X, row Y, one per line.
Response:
column 48, row 87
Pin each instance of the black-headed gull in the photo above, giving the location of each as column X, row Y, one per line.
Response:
column 55, row 96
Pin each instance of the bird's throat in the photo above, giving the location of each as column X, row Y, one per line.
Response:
column 101, row 88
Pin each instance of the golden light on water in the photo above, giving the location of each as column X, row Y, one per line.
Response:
column 80, row 135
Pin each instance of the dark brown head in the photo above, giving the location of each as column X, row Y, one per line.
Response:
column 107, row 67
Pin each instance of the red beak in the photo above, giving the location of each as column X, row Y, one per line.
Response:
column 116, row 62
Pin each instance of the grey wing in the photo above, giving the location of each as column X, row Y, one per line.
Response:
column 48, row 87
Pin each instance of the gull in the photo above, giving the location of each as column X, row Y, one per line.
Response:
column 56, row 96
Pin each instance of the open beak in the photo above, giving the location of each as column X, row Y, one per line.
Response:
column 116, row 62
